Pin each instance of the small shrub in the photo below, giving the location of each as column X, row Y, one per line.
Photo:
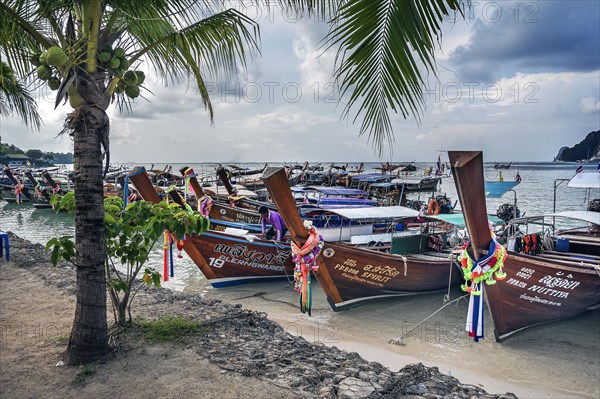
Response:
column 170, row 329
column 85, row 371
column 62, row 340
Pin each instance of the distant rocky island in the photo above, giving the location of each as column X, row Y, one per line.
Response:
column 587, row 150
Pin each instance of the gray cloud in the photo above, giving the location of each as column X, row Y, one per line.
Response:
column 551, row 36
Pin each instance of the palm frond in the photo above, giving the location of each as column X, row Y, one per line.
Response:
column 15, row 99
column 383, row 44
column 214, row 47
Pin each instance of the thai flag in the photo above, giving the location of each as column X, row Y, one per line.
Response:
column 305, row 200
column 579, row 169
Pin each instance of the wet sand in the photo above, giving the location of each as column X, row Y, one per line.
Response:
column 556, row 360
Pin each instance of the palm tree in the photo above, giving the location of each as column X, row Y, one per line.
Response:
column 89, row 51
column 16, row 99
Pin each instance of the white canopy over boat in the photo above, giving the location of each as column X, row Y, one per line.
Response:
column 585, row 180
column 586, row 216
column 383, row 212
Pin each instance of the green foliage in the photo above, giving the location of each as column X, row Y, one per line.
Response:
column 62, row 248
column 34, row 154
column 66, row 202
column 85, row 371
column 62, row 339
column 170, row 329
column 379, row 43
column 16, row 99
column 39, row 157
column 129, row 236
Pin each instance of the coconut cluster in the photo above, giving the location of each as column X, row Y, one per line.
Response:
column 50, row 61
column 115, row 61
column 47, row 64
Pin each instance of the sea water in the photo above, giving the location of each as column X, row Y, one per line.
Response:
column 556, row 360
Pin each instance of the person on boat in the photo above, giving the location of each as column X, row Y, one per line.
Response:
column 278, row 227
column 205, row 204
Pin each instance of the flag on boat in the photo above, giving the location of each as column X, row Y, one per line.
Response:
column 579, row 169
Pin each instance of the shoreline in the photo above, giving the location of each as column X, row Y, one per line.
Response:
column 253, row 352
column 394, row 358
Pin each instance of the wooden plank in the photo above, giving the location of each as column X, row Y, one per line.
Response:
column 571, row 253
column 277, row 184
column 194, row 183
column 575, row 237
column 222, row 173
column 467, row 168
column 569, row 258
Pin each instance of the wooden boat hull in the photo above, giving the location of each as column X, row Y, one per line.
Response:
column 234, row 214
column 233, row 260
column 359, row 275
column 226, row 259
column 538, row 291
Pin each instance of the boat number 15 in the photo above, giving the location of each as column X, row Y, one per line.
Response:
column 214, row 262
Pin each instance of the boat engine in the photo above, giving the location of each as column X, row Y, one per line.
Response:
column 506, row 212
column 594, row 205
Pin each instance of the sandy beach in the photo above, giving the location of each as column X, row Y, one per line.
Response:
column 36, row 310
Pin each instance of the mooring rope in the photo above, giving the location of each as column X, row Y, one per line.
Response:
column 398, row 341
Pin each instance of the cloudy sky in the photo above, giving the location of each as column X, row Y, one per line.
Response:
column 517, row 80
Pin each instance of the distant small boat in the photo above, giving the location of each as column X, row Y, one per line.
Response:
column 503, row 165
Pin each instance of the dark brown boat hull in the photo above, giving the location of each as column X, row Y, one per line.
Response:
column 538, row 291
column 225, row 259
column 360, row 275
column 234, row 260
column 234, row 214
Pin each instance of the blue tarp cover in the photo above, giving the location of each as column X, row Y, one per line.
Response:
column 496, row 189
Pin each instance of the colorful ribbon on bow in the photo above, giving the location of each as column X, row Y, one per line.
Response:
column 204, row 205
column 167, row 256
column 18, row 191
column 487, row 269
column 305, row 259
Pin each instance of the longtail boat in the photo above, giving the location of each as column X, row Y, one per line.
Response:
column 229, row 257
column 544, row 283
column 18, row 189
column 235, row 198
column 219, row 210
column 349, row 274
column 44, row 192
column 55, row 186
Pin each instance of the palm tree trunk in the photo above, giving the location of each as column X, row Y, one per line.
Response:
column 89, row 335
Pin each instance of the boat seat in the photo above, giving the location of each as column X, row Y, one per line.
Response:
column 580, row 239
column 572, row 254
column 571, row 260
column 236, row 232
column 367, row 238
